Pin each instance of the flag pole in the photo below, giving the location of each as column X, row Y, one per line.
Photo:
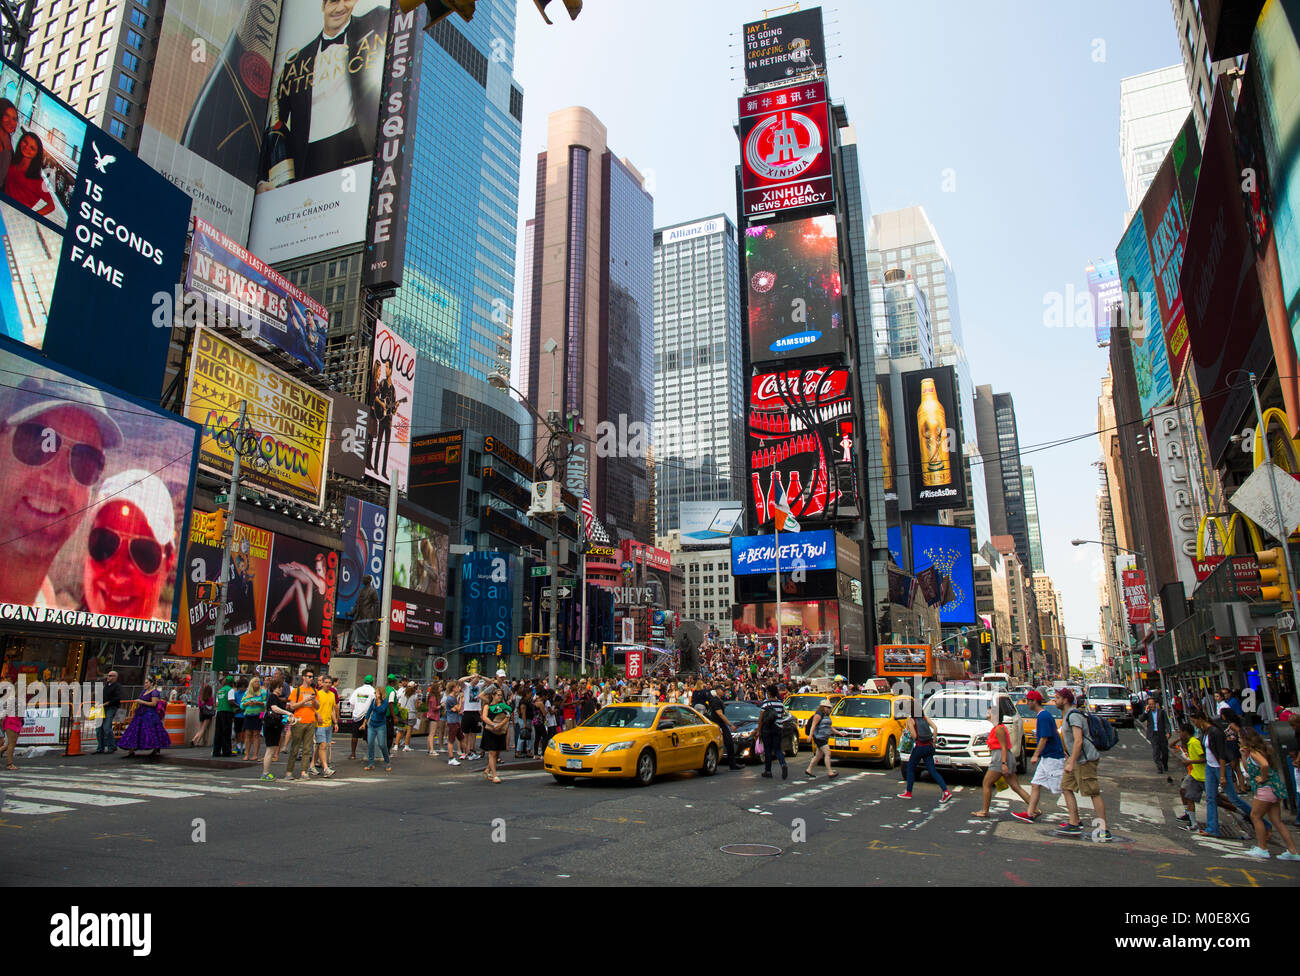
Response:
column 586, row 544
column 776, row 539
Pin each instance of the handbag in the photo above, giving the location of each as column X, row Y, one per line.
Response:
column 758, row 747
column 206, row 712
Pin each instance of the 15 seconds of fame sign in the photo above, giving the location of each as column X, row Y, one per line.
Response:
column 123, row 245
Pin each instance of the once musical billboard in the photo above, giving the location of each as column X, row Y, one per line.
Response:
column 289, row 420
column 793, row 275
column 785, row 150
column 94, row 501
column 802, row 446
column 392, row 395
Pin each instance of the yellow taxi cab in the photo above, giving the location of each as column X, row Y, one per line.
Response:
column 1031, row 731
column 635, row 740
column 801, row 708
column 869, row 727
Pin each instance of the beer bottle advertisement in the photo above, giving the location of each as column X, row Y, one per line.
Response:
column 932, row 419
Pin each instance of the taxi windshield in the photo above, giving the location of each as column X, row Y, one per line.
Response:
column 622, row 718
column 864, row 708
column 803, row 703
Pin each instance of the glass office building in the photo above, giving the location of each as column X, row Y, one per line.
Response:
column 457, row 296
column 699, row 402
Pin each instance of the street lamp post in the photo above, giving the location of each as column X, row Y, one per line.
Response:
column 1142, row 565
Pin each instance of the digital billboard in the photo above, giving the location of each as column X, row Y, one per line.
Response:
column 437, row 461
column 250, row 573
column 947, row 549
column 116, row 227
column 801, row 442
column 1104, row 292
column 708, row 523
column 784, row 47
column 885, row 422
column 934, row 444
column 420, row 557
column 818, row 621
column 300, row 602
column 289, row 420
column 94, row 502
column 1142, row 317
column 785, row 150
column 266, row 306
column 317, row 160
column 752, row 555
column 793, row 275
column 487, row 600
column 392, row 395
column 204, row 121
column 365, row 534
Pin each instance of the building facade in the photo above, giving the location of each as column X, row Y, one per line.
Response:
column 1031, row 519
column 1152, row 108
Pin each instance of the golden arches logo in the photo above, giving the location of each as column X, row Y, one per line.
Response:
column 1226, row 534
column 1284, row 450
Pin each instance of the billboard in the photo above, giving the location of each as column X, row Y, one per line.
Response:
column 208, row 101
column 94, row 502
column 801, row 442
column 420, row 557
column 793, row 274
column 245, row 595
column 1222, row 296
column 785, row 47
column 947, row 549
column 116, row 228
column 266, row 305
column 816, row 620
column 349, row 437
column 365, row 534
column 317, row 159
column 392, row 395
column 1104, row 292
column 1138, row 291
column 486, row 598
column 785, row 150
column 390, row 189
column 885, row 421
column 934, row 443
column 1135, row 597
column 752, row 555
column 708, row 523
column 437, row 461
column 300, row 602
column 903, row 660
column 289, row 420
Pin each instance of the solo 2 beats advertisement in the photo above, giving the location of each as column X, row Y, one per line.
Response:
column 934, row 438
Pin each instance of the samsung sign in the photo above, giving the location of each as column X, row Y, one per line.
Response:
column 755, row 554
column 701, row 228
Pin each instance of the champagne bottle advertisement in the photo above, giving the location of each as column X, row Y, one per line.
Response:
column 933, row 425
column 318, row 137
column 207, row 108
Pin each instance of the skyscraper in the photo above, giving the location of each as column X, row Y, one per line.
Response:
column 456, row 301
column 999, row 444
column 697, row 367
column 1031, row 517
column 592, row 279
column 1152, row 108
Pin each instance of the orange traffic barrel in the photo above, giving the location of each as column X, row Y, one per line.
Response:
column 174, row 723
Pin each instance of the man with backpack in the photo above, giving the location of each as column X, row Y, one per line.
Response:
column 1081, row 758
column 770, row 717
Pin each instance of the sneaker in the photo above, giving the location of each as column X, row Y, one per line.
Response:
column 1024, row 817
column 453, row 762
column 1185, row 823
column 1104, row 836
column 406, row 748
column 767, row 776
column 474, row 756
column 1258, row 852
column 947, row 795
column 1070, row 830
column 1288, row 856
column 907, row 795
column 268, row 777
column 329, row 772
column 313, row 771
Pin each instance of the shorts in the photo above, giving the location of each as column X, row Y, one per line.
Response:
column 493, row 742
column 271, row 732
column 1048, row 773
column 1192, row 789
column 1265, row 794
column 996, row 764
column 453, row 731
column 471, row 723
column 1082, row 779
column 325, row 734
column 239, row 724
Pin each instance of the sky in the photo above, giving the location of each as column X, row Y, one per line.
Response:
column 1000, row 119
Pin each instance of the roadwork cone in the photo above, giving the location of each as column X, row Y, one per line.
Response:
column 74, row 739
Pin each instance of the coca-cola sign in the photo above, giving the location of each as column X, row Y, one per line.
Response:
column 785, row 149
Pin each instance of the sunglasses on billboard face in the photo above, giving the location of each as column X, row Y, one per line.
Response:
column 30, row 447
column 145, row 552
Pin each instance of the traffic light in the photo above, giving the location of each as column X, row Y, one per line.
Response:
column 526, row 645
column 1273, row 576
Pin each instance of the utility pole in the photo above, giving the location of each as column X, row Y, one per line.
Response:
column 228, row 536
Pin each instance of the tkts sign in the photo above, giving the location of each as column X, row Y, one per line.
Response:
column 785, row 149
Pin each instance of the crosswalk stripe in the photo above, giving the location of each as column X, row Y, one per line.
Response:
column 22, row 808
column 89, row 799
column 150, row 791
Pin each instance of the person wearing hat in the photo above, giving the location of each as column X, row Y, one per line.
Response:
column 361, row 699
column 820, row 735
column 53, row 436
column 1048, row 760
column 1080, row 771
column 131, row 548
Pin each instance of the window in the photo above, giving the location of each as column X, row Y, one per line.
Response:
column 139, row 17
column 79, row 70
column 82, row 48
column 92, row 106
column 46, row 48
column 74, row 93
column 133, row 39
column 116, row 129
column 97, row 82
column 58, row 80
column 63, row 59
column 126, row 83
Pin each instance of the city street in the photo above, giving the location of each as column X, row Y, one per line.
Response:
column 96, row 820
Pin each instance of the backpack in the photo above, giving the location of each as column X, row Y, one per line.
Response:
column 807, row 726
column 1100, row 732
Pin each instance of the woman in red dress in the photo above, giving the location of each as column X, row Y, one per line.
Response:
column 25, row 181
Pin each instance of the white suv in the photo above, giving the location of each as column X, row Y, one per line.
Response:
column 961, row 741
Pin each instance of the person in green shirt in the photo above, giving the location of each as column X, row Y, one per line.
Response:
column 221, row 744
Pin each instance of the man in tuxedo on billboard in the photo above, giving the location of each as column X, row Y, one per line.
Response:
column 327, row 93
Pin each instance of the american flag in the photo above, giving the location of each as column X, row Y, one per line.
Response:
column 592, row 530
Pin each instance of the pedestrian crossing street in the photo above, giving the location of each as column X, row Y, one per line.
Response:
column 44, row 790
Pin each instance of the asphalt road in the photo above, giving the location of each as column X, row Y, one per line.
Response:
column 103, row 820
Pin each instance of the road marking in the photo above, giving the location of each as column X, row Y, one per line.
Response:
column 150, row 791
column 30, row 809
column 89, row 799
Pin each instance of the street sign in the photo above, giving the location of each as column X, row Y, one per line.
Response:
column 1249, row 645
column 222, row 499
column 567, row 581
column 541, row 571
column 1285, row 623
column 1254, row 499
